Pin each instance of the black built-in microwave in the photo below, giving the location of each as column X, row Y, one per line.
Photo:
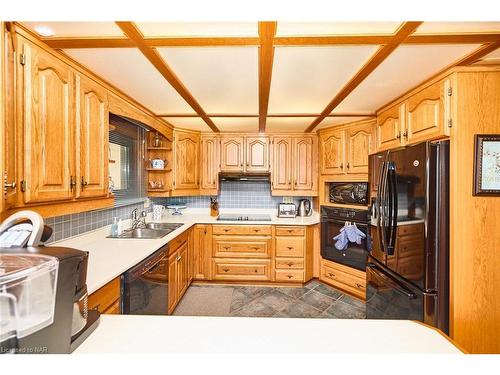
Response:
column 349, row 193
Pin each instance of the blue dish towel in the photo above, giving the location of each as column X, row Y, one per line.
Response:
column 348, row 233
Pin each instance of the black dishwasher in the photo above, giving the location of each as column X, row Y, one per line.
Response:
column 144, row 287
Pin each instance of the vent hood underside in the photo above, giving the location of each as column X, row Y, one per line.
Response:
column 251, row 177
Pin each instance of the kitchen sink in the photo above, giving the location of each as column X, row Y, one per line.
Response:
column 152, row 231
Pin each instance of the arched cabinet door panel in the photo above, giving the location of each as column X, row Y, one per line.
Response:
column 257, row 154
column 232, row 154
column 187, row 153
column 282, row 163
column 332, row 152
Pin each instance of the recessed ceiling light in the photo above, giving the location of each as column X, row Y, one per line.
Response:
column 44, row 30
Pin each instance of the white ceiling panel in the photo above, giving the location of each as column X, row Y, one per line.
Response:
column 191, row 123
column 406, row 67
column 337, row 121
column 222, row 79
column 335, row 28
column 288, row 124
column 305, row 79
column 457, row 27
column 192, row 29
column 237, row 124
column 130, row 71
column 72, row 29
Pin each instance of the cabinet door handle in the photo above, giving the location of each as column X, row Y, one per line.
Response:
column 348, row 166
column 405, row 134
column 178, row 258
column 341, row 165
column 84, row 183
column 12, row 185
column 72, row 183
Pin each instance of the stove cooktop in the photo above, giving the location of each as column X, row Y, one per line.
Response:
column 250, row 217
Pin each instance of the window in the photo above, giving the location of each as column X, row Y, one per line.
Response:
column 126, row 156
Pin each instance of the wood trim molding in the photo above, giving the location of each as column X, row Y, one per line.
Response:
column 154, row 58
column 323, row 40
column 382, row 53
column 275, row 115
column 267, row 31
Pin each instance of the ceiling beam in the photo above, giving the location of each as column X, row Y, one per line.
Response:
column 154, row 57
column 273, row 115
column 323, row 40
column 267, row 31
column 382, row 53
column 482, row 51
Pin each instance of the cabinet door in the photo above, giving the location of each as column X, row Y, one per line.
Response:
column 187, row 150
column 10, row 155
column 282, row 163
column 210, row 162
column 182, row 270
column 92, row 139
column 390, row 127
column 202, row 251
column 232, row 154
column 332, row 152
column 172, row 281
column 359, row 141
column 428, row 113
column 257, row 154
column 48, row 127
column 303, row 164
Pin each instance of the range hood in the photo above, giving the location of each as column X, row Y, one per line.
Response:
column 240, row 176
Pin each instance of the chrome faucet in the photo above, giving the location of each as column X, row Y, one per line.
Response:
column 138, row 222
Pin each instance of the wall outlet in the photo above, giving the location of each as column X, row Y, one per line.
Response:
column 287, row 199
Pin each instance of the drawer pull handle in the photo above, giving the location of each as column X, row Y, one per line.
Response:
column 358, row 285
column 331, row 274
column 290, row 264
column 227, row 247
column 256, row 230
column 226, row 269
column 255, row 248
column 289, row 276
column 289, row 248
column 290, row 230
column 226, row 230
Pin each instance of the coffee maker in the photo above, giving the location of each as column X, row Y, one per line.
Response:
column 72, row 322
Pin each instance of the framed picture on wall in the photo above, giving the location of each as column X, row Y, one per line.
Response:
column 487, row 164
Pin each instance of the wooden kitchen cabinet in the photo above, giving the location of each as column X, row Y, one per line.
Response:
column 186, row 163
column 344, row 278
column 345, row 151
column 390, row 127
column 92, row 139
column 106, row 299
column 48, row 125
column 202, row 251
column 257, row 154
column 209, row 167
column 293, row 250
column 178, row 270
column 294, row 170
column 232, row 154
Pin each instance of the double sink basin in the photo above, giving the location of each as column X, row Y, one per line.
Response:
column 151, row 231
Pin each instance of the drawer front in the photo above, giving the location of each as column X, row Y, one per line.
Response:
column 289, row 263
column 177, row 242
column 103, row 298
column 405, row 230
column 409, row 246
column 290, row 246
column 241, row 247
column 343, row 280
column 290, row 231
column 411, row 267
column 263, row 230
column 289, row 275
column 241, row 269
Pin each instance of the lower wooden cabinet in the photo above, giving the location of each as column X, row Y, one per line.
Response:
column 241, row 269
column 293, row 249
column 344, row 278
column 202, row 251
column 106, row 299
column 178, row 270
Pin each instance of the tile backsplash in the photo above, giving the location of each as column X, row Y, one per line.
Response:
column 232, row 194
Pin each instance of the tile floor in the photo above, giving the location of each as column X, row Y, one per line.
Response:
column 314, row 300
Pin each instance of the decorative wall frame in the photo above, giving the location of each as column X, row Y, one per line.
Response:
column 487, row 164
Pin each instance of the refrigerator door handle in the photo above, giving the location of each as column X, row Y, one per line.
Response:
column 398, row 287
column 393, row 208
column 381, row 196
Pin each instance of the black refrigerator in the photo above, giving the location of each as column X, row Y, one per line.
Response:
column 408, row 265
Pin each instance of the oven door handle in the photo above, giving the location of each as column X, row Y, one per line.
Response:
column 397, row 286
column 342, row 222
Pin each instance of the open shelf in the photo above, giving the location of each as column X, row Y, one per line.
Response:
column 158, row 170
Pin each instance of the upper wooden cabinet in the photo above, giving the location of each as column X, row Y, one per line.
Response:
column 244, row 154
column 92, row 138
column 295, row 165
column 232, row 154
column 332, row 152
column 209, row 164
column 344, row 150
column 257, row 154
column 423, row 116
column 48, row 127
column 186, row 165
column 429, row 113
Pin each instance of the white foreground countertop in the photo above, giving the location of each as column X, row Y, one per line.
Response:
column 182, row 334
column 110, row 257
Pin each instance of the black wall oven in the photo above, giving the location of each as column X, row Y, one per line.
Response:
column 333, row 220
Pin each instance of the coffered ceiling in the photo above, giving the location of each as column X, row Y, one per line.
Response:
column 284, row 76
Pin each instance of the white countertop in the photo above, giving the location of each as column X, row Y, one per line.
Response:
column 110, row 257
column 181, row 334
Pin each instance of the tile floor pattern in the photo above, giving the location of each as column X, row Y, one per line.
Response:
column 314, row 300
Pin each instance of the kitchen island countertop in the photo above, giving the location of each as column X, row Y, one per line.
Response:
column 181, row 334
